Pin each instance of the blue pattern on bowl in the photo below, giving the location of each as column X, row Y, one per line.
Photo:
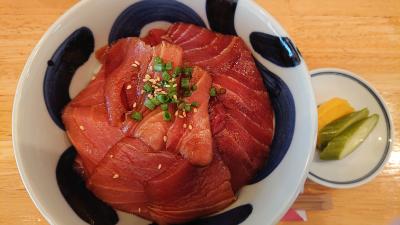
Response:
column 72, row 53
column 131, row 21
column 285, row 118
column 231, row 217
column 278, row 50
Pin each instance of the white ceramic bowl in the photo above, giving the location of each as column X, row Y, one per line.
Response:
column 39, row 142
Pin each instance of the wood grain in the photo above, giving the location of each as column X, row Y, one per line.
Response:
column 359, row 35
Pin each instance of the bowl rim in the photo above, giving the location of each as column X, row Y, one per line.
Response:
column 18, row 96
column 381, row 164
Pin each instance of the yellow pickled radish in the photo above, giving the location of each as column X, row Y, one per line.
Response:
column 331, row 110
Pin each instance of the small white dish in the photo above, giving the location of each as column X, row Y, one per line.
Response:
column 365, row 163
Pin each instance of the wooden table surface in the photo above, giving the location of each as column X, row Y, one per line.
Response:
column 358, row 35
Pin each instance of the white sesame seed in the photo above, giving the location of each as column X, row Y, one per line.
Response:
column 142, row 91
column 159, row 166
column 175, row 85
column 147, row 76
column 94, row 78
column 163, row 92
column 165, row 138
column 167, row 85
column 180, row 116
column 175, row 97
column 136, row 62
column 81, row 127
column 111, row 156
column 176, row 113
column 173, row 79
column 134, row 65
column 158, row 79
column 195, row 110
column 152, row 81
column 116, row 176
column 97, row 69
column 128, row 87
column 145, row 80
column 184, row 114
column 134, row 105
column 190, row 127
column 150, row 96
column 184, row 125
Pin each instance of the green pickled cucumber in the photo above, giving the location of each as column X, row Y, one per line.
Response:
column 336, row 127
column 347, row 141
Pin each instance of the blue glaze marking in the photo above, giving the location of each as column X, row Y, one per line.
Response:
column 221, row 15
column 278, row 50
column 131, row 21
column 69, row 56
column 82, row 201
column 234, row 216
column 285, row 118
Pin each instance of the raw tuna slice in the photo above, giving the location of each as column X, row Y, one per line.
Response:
column 89, row 131
column 242, row 117
column 191, row 135
column 185, row 192
column 125, row 64
column 146, row 129
column 120, row 177
column 93, row 94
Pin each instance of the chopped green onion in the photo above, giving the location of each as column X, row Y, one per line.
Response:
column 195, row 104
column 158, row 67
column 187, row 93
column 177, row 71
column 149, row 104
column 166, row 116
column 163, row 98
column 173, row 100
column 137, row 116
column 155, row 101
column 213, row 92
column 148, row 88
column 165, row 76
column 194, row 87
column 172, row 90
column 157, row 60
column 164, row 107
column 187, row 107
column 188, row 71
column 185, row 83
column 168, row 66
column 181, row 105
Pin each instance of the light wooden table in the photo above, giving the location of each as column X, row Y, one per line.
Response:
column 359, row 35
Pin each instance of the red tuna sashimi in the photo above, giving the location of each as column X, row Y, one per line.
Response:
column 120, row 177
column 152, row 129
column 89, row 131
column 244, row 111
column 185, row 192
column 191, row 135
column 169, row 53
column 154, row 37
column 125, row 64
column 93, row 94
